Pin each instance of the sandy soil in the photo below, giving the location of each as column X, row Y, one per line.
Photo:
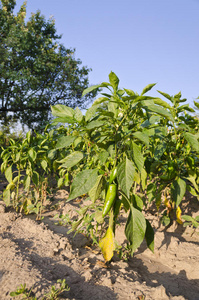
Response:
column 40, row 252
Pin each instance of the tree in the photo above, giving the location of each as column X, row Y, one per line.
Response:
column 36, row 70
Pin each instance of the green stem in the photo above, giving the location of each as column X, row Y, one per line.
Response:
column 111, row 221
column 17, row 194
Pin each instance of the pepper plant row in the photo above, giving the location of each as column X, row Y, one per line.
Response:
column 127, row 151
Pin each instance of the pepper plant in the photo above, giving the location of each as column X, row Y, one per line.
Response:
column 28, row 164
column 108, row 147
column 173, row 161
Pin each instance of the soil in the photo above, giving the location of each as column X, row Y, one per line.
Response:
column 40, row 252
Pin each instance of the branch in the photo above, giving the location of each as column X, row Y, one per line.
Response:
column 43, row 108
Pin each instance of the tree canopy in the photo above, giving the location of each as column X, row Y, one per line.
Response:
column 36, row 70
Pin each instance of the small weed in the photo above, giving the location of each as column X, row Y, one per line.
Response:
column 53, row 294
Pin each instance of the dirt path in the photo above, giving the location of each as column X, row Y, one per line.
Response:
column 39, row 253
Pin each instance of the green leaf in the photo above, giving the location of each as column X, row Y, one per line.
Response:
column 159, row 150
column 196, row 104
column 192, row 190
column 148, row 88
column 77, row 141
column 100, row 100
column 60, row 182
column 33, row 154
column 72, row 159
column 96, row 190
column 90, row 89
column 135, row 228
column 28, row 136
column 114, row 80
column 18, row 155
column 185, row 107
column 187, row 218
column 165, row 95
column 35, row 178
column 178, row 190
column 192, row 140
column 95, row 124
column 130, row 92
column 26, row 182
column 178, row 95
column 137, row 156
column 125, row 175
column 161, row 102
column 113, row 107
column 69, row 120
column 192, row 179
column 6, row 197
column 160, row 110
column 60, row 110
column 8, row 174
column 137, row 202
column 52, row 153
column 78, row 115
column 64, row 141
column 103, row 156
column 143, row 178
column 90, row 112
column 83, row 183
column 44, row 164
column 143, row 137
column 149, row 236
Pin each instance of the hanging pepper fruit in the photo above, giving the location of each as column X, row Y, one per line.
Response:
column 178, row 215
column 110, row 198
column 113, row 175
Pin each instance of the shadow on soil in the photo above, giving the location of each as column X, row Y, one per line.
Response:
column 174, row 284
column 52, row 270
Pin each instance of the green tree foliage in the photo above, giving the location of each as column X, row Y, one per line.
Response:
column 36, row 70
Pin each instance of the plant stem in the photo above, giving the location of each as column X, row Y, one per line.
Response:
column 111, row 221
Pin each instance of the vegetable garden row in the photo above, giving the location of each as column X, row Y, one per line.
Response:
column 125, row 153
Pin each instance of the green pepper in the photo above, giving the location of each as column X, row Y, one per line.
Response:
column 110, row 198
column 116, row 207
column 113, row 175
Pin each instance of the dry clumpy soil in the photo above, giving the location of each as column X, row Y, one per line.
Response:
column 40, row 252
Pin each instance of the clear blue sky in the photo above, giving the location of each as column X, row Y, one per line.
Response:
column 142, row 41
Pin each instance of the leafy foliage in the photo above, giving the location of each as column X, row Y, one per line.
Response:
column 144, row 147
column 36, row 69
